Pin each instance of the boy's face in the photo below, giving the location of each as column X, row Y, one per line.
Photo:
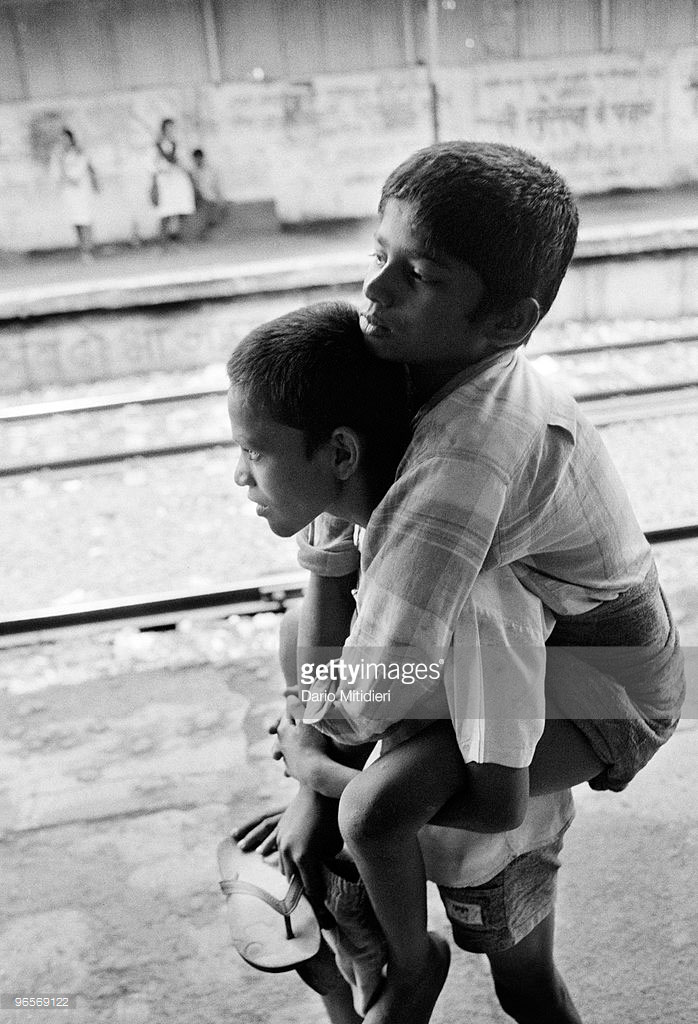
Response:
column 289, row 487
column 420, row 303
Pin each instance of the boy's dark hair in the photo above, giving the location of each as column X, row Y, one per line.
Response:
column 499, row 209
column 197, row 153
column 311, row 370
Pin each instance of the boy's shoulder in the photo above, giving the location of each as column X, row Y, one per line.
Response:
column 498, row 412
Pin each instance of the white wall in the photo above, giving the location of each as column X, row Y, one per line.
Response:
column 320, row 150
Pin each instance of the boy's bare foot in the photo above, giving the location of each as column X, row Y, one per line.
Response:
column 412, row 998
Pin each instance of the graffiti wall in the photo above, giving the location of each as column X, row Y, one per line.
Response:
column 239, row 126
column 320, row 149
column 607, row 121
column 342, row 135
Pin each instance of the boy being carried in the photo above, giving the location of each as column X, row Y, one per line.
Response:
column 321, row 426
column 502, row 471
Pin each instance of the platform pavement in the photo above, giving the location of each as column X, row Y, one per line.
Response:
column 42, row 282
column 117, row 790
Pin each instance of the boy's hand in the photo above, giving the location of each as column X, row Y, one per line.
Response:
column 260, row 833
column 295, row 708
column 301, row 746
column 308, row 834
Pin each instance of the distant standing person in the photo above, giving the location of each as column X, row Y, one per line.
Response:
column 207, row 191
column 72, row 170
column 172, row 191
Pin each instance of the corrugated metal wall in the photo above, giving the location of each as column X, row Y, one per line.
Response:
column 547, row 30
column 54, row 48
column 292, row 41
column 638, row 25
column 78, row 47
column 12, row 83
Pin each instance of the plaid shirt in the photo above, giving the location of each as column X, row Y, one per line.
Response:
column 502, row 470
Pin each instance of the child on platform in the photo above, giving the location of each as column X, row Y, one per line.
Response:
column 321, row 426
column 503, row 470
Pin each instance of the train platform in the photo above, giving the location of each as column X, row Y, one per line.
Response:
column 229, row 263
column 118, row 781
column 118, row 787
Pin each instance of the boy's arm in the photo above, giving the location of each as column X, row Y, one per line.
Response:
column 306, row 836
column 323, row 626
column 474, row 797
column 317, row 762
column 422, row 551
column 326, row 549
column 326, row 613
column 307, row 833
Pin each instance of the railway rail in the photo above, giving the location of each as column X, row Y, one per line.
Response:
column 603, row 407
column 105, row 403
column 164, row 611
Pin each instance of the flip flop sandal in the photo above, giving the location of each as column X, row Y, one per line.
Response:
column 272, row 924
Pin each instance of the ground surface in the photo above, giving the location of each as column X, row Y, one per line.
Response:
column 120, row 779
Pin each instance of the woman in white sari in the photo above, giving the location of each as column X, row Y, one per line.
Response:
column 76, row 178
column 172, row 191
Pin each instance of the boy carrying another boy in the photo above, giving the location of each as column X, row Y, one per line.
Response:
column 322, row 425
column 502, row 472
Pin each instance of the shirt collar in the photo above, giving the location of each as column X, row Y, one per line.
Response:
column 499, row 359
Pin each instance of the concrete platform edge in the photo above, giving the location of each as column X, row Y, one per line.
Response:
column 607, row 242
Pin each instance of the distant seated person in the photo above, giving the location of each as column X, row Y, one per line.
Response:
column 207, row 192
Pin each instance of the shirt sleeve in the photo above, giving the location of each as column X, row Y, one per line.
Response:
column 495, row 683
column 326, row 547
column 422, row 551
column 490, row 682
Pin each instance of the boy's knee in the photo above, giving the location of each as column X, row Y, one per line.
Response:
column 535, row 997
column 356, row 816
column 512, row 1000
column 288, row 646
column 551, row 1005
column 364, row 814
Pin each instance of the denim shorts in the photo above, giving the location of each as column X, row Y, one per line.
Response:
column 497, row 915
column 486, row 918
column 617, row 673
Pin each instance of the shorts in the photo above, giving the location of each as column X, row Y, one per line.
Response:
column 617, row 673
column 497, row 915
column 487, row 918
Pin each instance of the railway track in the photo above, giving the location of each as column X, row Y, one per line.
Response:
column 157, row 611
column 105, row 403
column 164, row 611
column 602, row 407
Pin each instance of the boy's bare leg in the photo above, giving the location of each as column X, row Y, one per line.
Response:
column 563, row 758
column 527, row 982
column 340, row 1007
column 381, row 812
